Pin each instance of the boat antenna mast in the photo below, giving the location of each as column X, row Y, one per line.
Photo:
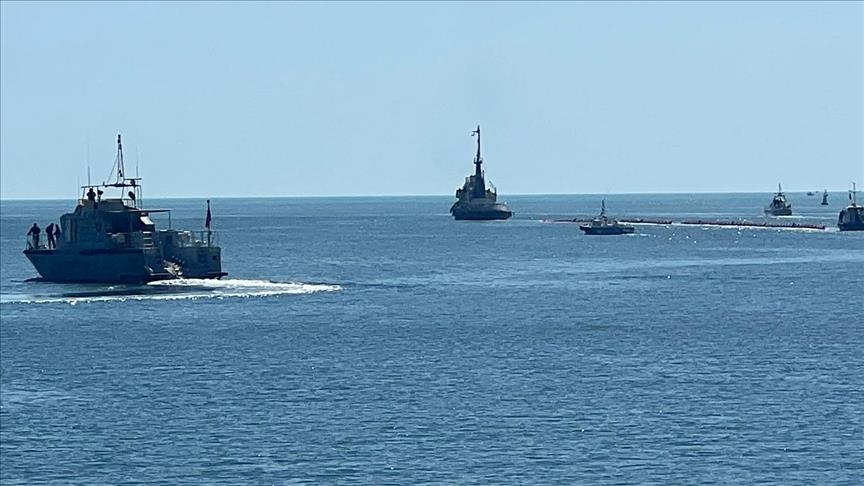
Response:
column 118, row 165
column 120, row 168
column 478, row 161
column 122, row 181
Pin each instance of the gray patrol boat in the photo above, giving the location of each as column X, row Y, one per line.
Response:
column 851, row 218
column 476, row 201
column 779, row 206
column 113, row 240
column 604, row 225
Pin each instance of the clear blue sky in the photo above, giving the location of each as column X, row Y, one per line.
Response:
column 372, row 99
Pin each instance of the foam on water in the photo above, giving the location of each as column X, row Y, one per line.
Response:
column 180, row 289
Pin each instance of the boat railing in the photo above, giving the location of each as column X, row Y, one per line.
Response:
column 134, row 239
column 193, row 238
column 34, row 244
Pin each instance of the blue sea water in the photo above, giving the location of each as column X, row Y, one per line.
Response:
column 377, row 341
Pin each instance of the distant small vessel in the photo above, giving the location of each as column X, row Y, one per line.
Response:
column 113, row 240
column 779, row 206
column 811, row 193
column 604, row 225
column 851, row 217
column 825, row 198
column 475, row 201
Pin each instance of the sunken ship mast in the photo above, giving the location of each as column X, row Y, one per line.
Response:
column 851, row 218
column 113, row 240
column 779, row 206
column 476, row 200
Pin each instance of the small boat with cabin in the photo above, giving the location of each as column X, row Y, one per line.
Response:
column 113, row 240
column 604, row 225
column 477, row 199
column 851, row 218
column 779, row 206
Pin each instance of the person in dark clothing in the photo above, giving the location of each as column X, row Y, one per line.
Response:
column 49, row 231
column 56, row 234
column 91, row 195
column 34, row 235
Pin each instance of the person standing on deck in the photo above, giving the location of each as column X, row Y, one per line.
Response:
column 34, row 235
column 49, row 231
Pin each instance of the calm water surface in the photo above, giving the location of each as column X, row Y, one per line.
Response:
column 375, row 340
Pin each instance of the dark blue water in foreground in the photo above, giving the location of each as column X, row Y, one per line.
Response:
column 377, row 341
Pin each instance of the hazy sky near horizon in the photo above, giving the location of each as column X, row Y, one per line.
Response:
column 246, row 99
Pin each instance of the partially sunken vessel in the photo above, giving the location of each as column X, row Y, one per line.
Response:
column 851, row 218
column 779, row 206
column 477, row 199
column 113, row 240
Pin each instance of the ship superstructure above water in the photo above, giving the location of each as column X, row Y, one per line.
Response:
column 113, row 240
column 851, row 218
column 779, row 206
column 477, row 199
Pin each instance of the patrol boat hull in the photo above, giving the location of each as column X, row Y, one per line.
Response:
column 607, row 230
column 468, row 212
column 130, row 266
column 779, row 212
column 110, row 266
column 851, row 227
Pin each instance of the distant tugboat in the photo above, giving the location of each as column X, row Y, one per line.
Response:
column 603, row 225
column 114, row 241
column 474, row 200
column 825, row 198
column 851, row 217
column 779, row 206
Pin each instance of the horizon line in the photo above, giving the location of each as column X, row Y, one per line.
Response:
column 347, row 196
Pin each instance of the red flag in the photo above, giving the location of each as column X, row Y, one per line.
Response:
column 209, row 216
